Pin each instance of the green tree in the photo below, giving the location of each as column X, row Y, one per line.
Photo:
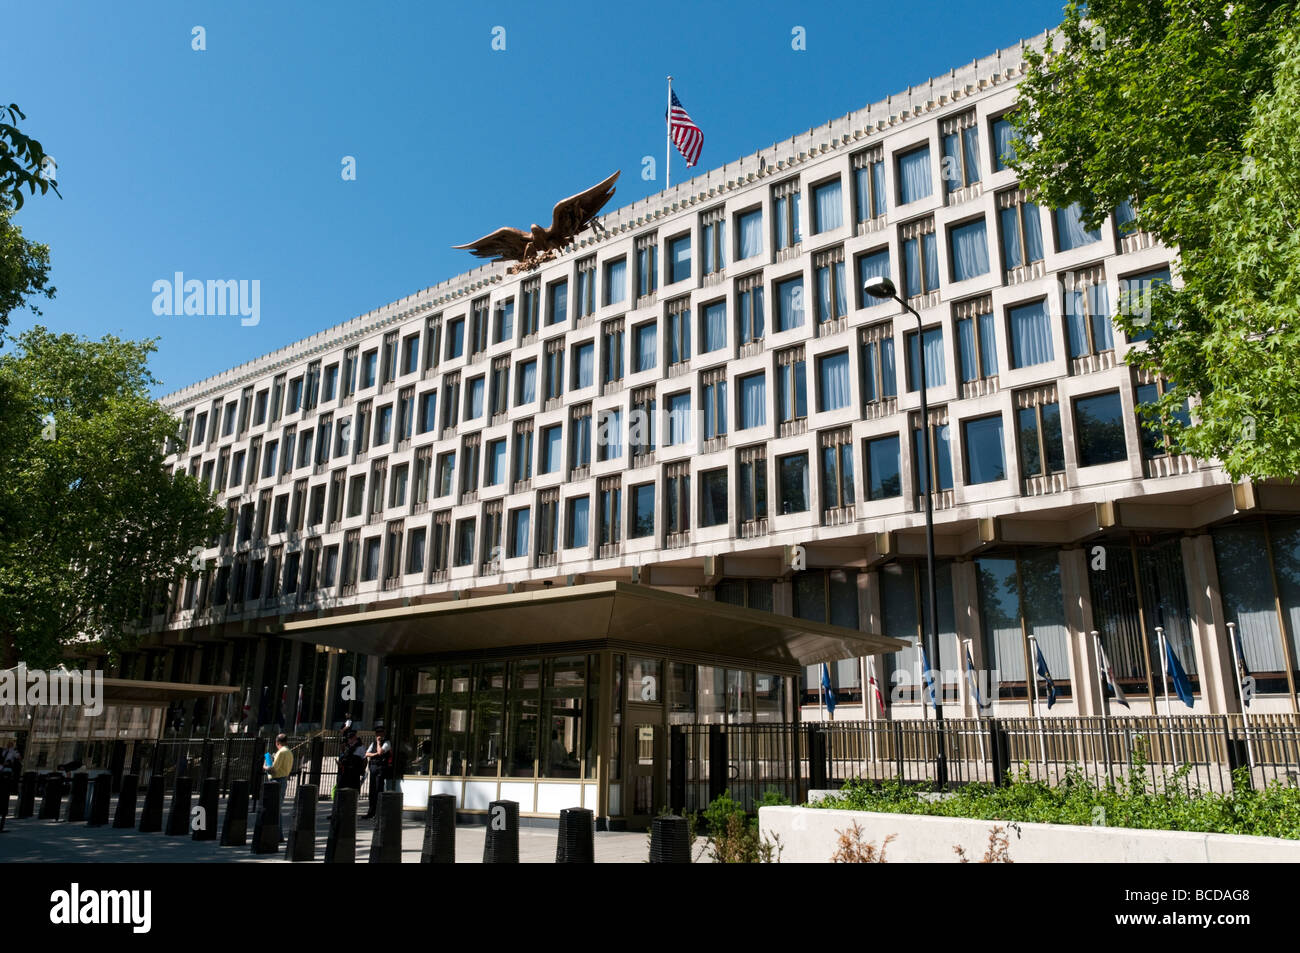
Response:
column 24, row 268
column 1190, row 111
column 92, row 522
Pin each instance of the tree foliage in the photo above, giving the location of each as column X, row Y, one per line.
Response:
column 91, row 520
column 24, row 268
column 23, row 161
column 1190, row 110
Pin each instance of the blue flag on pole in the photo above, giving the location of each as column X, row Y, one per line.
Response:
column 928, row 677
column 1181, row 683
column 1046, row 675
column 826, row 690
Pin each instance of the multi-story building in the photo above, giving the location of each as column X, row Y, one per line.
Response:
column 699, row 397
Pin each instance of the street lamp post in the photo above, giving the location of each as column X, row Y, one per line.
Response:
column 882, row 288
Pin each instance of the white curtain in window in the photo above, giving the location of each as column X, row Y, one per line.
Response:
column 825, row 302
column 791, row 304
column 931, row 245
column 578, row 512
column 751, row 234
column 681, row 251
column 753, row 396
column 951, row 169
column 988, row 344
column 1002, row 133
column 862, row 193
column 679, row 419
column 528, row 383
column 715, row 326
column 971, row 141
column 1033, row 232
column 970, row 251
column 1070, row 232
column 1124, row 216
column 1031, row 334
column 1011, row 252
column 836, row 392
column 830, row 214
column 647, row 341
column 1099, row 309
column 878, row 183
column 935, row 376
column 615, row 281
column 875, row 265
column 1246, row 586
column 586, row 365
column 966, row 349
column 1004, row 642
column 521, row 533
column 841, row 295
column 914, row 175
column 1075, row 316
column 912, row 266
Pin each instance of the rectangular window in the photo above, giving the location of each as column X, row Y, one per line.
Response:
column 523, row 451
column 837, row 469
column 646, row 338
column 1070, row 232
column 789, row 296
column 519, row 520
column 679, row 417
column 1087, row 313
column 679, row 331
column 470, row 458
column 940, row 454
column 828, row 206
column 976, row 345
column 750, row 304
column 879, row 380
column 884, row 471
column 914, row 175
column 526, row 383
column 641, row 425
column 713, row 235
column 465, row 542
column 961, row 152
column 833, row 388
column 713, row 327
column 1004, row 152
column 579, row 511
column 714, row 389
column 411, row 354
column 643, row 511
column 920, row 258
column 369, row 368
column 553, row 378
column 1155, row 442
column 749, row 234
column 869, row 185
column 496, row 463
column 1022, row 230
column 615, row 281
column 982, row 443
column 415, row 545
column 504, row 325
column 752, row 407
column 1042, row 449
column 934, row 371
column 792, row 474
column 580, row 436
column 832, row 297
column 1031, row 334
column 871, row 265
column 677, row 498
column 557, row 310
column 446, row 468
column 609, row 437
column 968, row 248
column 432, row 342
column 456, row 345
column 586, row 287
column 370, row 562
column 397, row 487
column 1099, row 429
column 1135, row 296
column 428, row 411
column 647, row 265
column 679, row 258
column 713, row 497
column 474, row 397
column 612, row 343
column 752, row 483
column 356, row 495
column 792, row 386
column 785, row 209
column 584, row 365
column 478, row 326
column 259, row 412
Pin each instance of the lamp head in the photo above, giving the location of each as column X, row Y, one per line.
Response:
column 880, row 287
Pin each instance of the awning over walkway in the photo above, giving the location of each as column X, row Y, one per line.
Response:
column 597, row 615
column 130, row 691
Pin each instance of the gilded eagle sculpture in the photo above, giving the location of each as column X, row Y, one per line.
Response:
column 538, row 245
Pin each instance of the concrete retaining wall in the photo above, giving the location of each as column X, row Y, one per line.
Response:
column 810, row 835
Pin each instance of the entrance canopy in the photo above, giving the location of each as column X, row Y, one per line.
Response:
column 597, row 615
column 130, row 691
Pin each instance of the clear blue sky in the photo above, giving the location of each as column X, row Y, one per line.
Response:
column 226, row 163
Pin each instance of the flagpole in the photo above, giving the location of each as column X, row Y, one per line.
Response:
column 1032, row 641
column 821, row 696
column 1241, row 692
column 1105, row 703
column 1164, row 677
column 668, row 139
column 866, row 710
column 971, row 672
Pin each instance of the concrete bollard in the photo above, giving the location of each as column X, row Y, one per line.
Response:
column 125, row 815
column 439, row 830
column 302, row 830
column 27, row 795
column 151, row 815
column 234, row 826
column 670, row 840
column 178, row 818
column 101, row 796
column 576, row 843
column 386, row 841
column 77, row 797
column 209, row 799
column 52, row 800
column 501, row 844
column 341, row 843
column 266, row 829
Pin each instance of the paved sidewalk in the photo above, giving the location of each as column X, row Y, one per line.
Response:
column 34, row 841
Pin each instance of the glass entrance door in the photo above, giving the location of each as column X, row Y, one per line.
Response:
column 645, row 744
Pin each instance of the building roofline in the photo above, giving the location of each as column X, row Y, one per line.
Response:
column 777, row 159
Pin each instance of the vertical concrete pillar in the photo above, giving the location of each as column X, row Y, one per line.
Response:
column 1077, row 599
column 1209, row 634
column 371, row 704
column 258, row 682
column 291, row 695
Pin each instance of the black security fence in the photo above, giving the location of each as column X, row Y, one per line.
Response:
column 1195, row 752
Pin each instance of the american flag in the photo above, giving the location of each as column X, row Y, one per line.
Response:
column 686, row 136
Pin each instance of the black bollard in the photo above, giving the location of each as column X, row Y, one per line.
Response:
column 117, row 764
column 576, row 843
column 209, row 798
column 178, row 818
column 439, row 830
column 317, row 756
column 151, row 815
column 266, row 829
column 386, row 841
column 77, row 796
column 101, row 796
column 670, row 840
column 341, row 843
column 125, row 815
column 501, row 844
column 52, row 800
column 234, row 827
column 27, row 795
column 4, row 801
column 302, row 832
